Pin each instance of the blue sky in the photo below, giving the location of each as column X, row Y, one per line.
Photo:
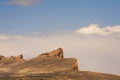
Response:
column 55, row 16
column 88, row 30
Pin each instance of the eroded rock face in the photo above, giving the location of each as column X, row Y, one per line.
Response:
column 57, row 54
column 75, row 65
column 7, row 63
column 51, row 62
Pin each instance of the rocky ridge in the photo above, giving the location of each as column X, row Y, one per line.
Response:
column 48, row 62
column 47, row 66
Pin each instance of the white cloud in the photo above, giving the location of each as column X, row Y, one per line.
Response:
column 3, row 37
column 36, row 33
column 10, row 37
column 23, row 2
column 94, row 29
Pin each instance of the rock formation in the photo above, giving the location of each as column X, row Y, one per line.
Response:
column 44, row 63
column 19, row 57
column 7, row 63
column 12, row 57
column 56, row 54
column 47, row 66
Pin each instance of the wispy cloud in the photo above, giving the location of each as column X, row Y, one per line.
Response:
column 10, row 37
column 94, row 29
column 36, row 33
column 23, row 2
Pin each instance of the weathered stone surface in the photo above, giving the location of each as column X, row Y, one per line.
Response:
column 57, row 54
column 44, row 63
column 11, row 57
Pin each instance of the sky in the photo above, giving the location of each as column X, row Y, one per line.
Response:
column 88, row 30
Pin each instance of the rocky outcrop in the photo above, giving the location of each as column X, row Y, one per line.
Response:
column 75, row 65
column 56, row 54
column 17, row 57
column 49, row 62
column 7, row 63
